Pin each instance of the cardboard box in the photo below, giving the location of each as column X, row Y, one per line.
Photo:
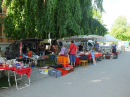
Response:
column 46, row 70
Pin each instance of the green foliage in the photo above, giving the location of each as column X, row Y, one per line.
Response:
column 37, row 18
column 120, row 29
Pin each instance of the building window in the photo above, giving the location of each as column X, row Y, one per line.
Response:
column 0, row 30
column 0, row 7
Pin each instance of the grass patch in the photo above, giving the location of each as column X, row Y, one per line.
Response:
column 4, row 81
column 48, row 62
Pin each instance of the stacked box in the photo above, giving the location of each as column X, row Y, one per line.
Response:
column 55, row 73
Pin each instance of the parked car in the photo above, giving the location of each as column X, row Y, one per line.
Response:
column 13, row 50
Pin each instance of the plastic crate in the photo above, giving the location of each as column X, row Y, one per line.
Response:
column 55, row 73
column 64, row 71
column 65, row 65
column 71, row 70
column 62, row 60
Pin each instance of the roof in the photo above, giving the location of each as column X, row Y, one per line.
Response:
column 109, row 38
column 32, row 39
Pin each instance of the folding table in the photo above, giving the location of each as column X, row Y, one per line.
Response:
column 21, row 72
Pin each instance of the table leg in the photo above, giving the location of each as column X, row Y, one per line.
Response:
column 27, row 85
column 9, row 78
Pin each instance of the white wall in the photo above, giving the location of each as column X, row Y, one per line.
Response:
column 4, row 45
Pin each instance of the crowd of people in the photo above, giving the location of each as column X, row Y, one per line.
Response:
column 73, row 49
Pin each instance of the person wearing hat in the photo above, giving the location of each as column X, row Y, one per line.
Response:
column 63, row 50
column 73, row 52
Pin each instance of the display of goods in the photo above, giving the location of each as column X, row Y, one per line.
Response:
column 55, row 73
column 51, row 56
column 71, row 70
column 46, row 70
column 46, row 67
column 115, row 57
column 0, row 64
column 62, row 60
column 107, row 57
column 32, row 65
column 83, row 57
column 65, row 65
column 70, row 66
column 45, row 57
column 4, row 66
column 117, row 53
column 57, row 66
column 67, row 68
column 29, row 54
column 64, row 71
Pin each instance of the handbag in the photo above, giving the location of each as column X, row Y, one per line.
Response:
column 71, row 49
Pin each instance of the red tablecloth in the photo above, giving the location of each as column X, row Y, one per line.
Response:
column 89, row 57
column 26, row 71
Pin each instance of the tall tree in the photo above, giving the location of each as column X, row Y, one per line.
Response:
column 120, row 29
column 37, row 18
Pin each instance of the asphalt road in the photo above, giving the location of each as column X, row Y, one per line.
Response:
column 109, row 78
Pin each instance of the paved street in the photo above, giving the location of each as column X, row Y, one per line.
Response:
column 109, row 78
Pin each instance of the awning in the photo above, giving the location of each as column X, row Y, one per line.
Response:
column 81, row 38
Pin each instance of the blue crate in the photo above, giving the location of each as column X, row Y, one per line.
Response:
column 55, row 73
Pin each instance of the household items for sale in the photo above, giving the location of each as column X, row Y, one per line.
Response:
column 45, row 69
column 57, row 66
column 71, row 70
column 70, row 66
column 55, row 73
column 107, row 56
column 83, row 57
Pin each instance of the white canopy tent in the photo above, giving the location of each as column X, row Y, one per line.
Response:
column 82, row 37
column 109, row 38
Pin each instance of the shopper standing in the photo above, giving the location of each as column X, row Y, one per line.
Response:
column 43, row 47
column 113, row 48
column 96, row 46
column 63, row 50
column 73, row 52
column 80, row 47
column 40, row 49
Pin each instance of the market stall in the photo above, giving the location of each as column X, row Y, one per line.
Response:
column 88, row 55
column 17, row 70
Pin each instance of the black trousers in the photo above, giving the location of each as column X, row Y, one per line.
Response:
column 113, row 50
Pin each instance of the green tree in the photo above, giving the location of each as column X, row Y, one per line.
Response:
column 37, row 18
column 120, row 29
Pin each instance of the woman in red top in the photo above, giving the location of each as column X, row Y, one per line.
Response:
column 73, row 52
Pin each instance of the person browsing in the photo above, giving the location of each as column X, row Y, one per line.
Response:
column 96, row 46
column 73, row 51
column 63, row 50
column 43, row 47
column 80, row 47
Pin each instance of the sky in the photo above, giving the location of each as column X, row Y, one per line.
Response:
column 113, row 9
